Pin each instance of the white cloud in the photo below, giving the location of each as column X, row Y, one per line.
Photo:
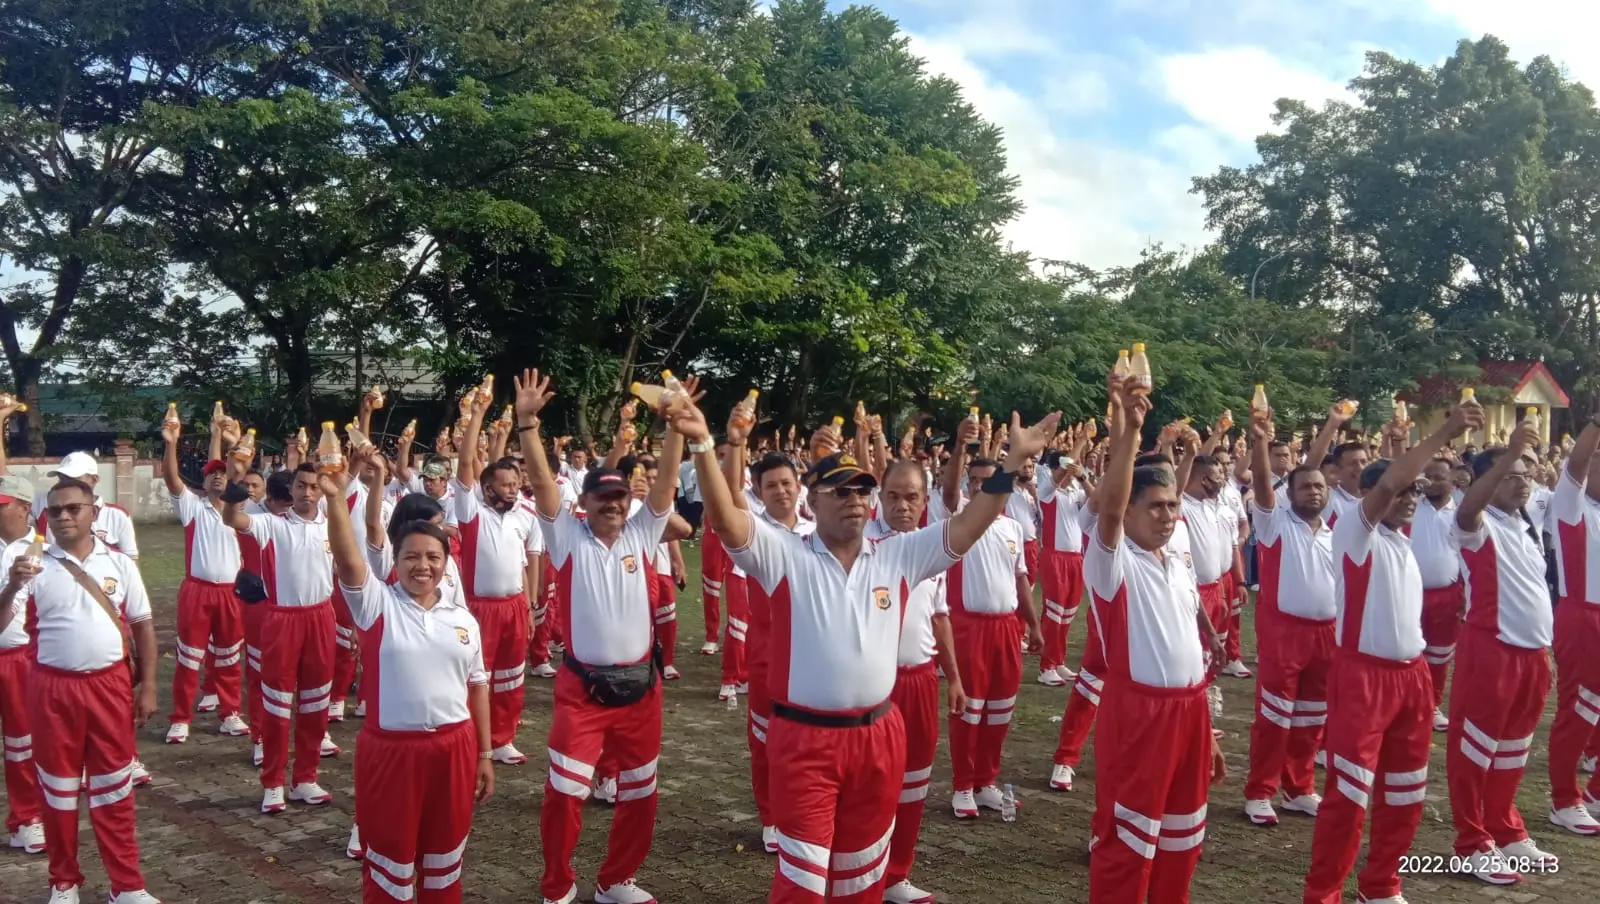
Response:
column 1232, row 89
column 1563, row 29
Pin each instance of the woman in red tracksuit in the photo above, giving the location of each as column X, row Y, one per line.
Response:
column 427, row 714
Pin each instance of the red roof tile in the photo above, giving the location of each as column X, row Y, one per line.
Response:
column 1512, row 375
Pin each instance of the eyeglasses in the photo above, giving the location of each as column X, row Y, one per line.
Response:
column 71, row 510
column 846, row 491
column 1413, row 490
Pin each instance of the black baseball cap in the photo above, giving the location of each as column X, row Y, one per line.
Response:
column 838, row 469
column 603, row 481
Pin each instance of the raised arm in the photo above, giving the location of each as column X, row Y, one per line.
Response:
column 1404, row 470
column 377, row 531
column 1326, row 437
column 733, row 464
column 967, row 525
column 1583, row 450
column 1116, row 485
column 470, row 467
column 532, row 394
column 169, row 459
column 349, row 561
column 1260, row 464
column 731, row 523
column 1469, row 515
column 950, row 481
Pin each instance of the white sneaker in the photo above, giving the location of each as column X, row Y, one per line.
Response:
column 328, row 747
column 309, row 793
column 605, row 790
column 257, row 754
column 29, row 838
column 964, row 805
column 272, row 800
column 353, row 848
column 1066, row 673
column 1525, row 851
column 1586, row 764
column 509, row 755
column 671, row 673
column 1321, row 759
column 742, row 688
column 68, row 895
column 178, row 733
column 1051, row 678
column 133, row 897
column 360, row 712
column 207, row 704
column 769, row 839
column 727, row 692
column 233, row 726
column 141, row 775
column 1305, row 804
column 1236, row 669
column 990, row 798
column 568, row 898
column 1441, row 722
column 1489, row 865
column 1061, row 777
column 623, row 893
column 336, row 711
column 1363, row 899
column 543, row 670
column 1575, row 819
column 903, row 892
column 1260, row 812
column 708, row 649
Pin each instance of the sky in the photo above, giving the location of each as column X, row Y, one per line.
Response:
column 1111, row 107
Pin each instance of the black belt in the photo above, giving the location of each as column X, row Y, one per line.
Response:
column 831, row 720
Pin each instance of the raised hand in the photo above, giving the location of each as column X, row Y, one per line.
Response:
column 688, row 421
column 531, row 394
column 1028, row 442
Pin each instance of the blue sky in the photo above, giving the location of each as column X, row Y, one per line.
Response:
column 1111, row 106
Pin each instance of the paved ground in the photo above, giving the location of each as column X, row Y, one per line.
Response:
column 204, row 840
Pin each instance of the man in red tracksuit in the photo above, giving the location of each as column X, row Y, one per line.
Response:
column 1573, row 734
column 837, row 743
column 1443, row 593
column 1380, row 700
column 23, row 818
column 1503, row 674
column 1061, row 499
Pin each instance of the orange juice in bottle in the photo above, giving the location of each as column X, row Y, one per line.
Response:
column 410, row 433
column 172, row 419
column 330, row 459
column 246, row 447
column 217, row 414
column 1139, row 370
column 376, row 395
column 744, row 413
column 358, row 440
column 1124, row 366
column 1531, row 415
column 1259, row 406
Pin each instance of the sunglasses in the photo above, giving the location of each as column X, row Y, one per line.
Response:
column 72, row 510
column 846, row 491
column 1413, row 490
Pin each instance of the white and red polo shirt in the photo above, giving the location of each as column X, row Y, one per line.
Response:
column 495, row 546
column 210, row 546
column 1146, row 607
column 1505, row 571
column 67, row 625
column 1379, row 590
column 1295, row 564
column 603, row 592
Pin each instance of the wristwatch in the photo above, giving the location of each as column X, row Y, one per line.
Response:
column 704, row 446
column 486, row 754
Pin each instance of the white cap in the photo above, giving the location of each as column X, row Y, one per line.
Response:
column 77, row 465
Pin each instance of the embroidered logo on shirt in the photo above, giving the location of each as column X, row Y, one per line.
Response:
column 103, row 536
column 109, row 585
column 463, row 636
column 1012, row 546
column 630, row 564
column 880, row 595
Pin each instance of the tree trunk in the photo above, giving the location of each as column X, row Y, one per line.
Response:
column 27, row 374
column 581, row 426
column 800, row 391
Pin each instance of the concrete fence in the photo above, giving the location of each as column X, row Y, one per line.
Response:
column 135, row 484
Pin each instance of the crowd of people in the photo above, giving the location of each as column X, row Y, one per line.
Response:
column 856, row 575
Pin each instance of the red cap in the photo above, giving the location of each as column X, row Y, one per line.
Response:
column 214, row 466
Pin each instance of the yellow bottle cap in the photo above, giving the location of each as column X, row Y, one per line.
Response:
column 1138, row 348
column 327, row 425
column 634, row 388
column 1123, row 352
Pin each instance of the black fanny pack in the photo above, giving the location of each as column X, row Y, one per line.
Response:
column 249, row 587
column 616, row 685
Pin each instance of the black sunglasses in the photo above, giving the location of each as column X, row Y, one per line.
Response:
column 846, row 491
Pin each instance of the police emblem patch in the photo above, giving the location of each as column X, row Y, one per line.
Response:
column 630, row 564
column 109, row 585
column 1012, row 546
column 880, row 597
column 463, row 636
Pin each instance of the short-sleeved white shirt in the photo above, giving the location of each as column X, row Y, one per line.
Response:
column 1505, row 571
column 111, row 525
column 418, row 663
column 1059, row 512
column 1295, row 564
column 495, row 546
column 301, row 559
column 447, row 501
column 1577, row 519
column 72, row 631
column 927, row 599
column 16, row 634
column 1146, row 608
column 1340, row 503
column 1212, row 529
column 603, row 592
column 211, row 547
column 1433, row 542
column 1023, row 508
column 835, row 637
column 1379, row 590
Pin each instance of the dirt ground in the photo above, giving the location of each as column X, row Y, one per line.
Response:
column 204, row 840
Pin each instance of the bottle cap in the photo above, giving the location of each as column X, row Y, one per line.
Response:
column 666, row 374
column 754, row 393
column 1123, row 352
column 1261, row 386
column 1138, row 348
column 634, row 388
column 327, row 425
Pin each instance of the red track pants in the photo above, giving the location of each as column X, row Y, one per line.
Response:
column 1495, row 706
column 1573, row 733
column 296, row 684
column 250, row 617
column 759, row 703
column 713, row 563
column 630, row 736
column 1212, row 599
column 1233, row 593
column 346, row 647
column 990, row 661
column 916, row 695
column 735, row 595
column 1441, row 628
column 83, row 747
column 414, row 794
column 1291, row 708
column 1063, row 592
column 1380, row 724
column 545, row 629
column 210, row 632
column 1153, row 752
column 835, row 792
column 503, row 622
column 1084, row 700
column 22, row 780
column 665, row 603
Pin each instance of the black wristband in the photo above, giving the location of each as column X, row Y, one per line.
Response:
column 1000, row 483
column 235, row 493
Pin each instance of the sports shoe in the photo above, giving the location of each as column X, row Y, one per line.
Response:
column 360, row 712
column 742, row 688
column 257, row 754
column 309, row 793
column 1441, row 722
column 509, row 755
column 1363, row 899
column 1575, row 819
column 1525, row 851
column 727, row 692
column 178, row 733
column 328, row 747
column 568, row 898
column 1260, row 812
column 233, row 726
column 207, row 704
column 1050, row 678
column 133, row 897
column 605, row 790
column 709, row 648
column 990, row 798
column 769, row 839
column 1305, row 804
column 1236, row 669
column 543, row 670
column 1586, row 764
column 353, row 848
column 272, row 800
column 1489, row 865
column 336, row 711
column 29, row 838
column 903, row 892
column 141, row 775
column 1066, row 673
column 671, row 673
column 624, row 892
column 964, row 805
column 63, row 894
column 1061, row 777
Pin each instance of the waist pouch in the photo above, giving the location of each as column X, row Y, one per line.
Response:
column 616, row 685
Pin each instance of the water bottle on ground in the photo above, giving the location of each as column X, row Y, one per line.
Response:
column 1008, row 804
